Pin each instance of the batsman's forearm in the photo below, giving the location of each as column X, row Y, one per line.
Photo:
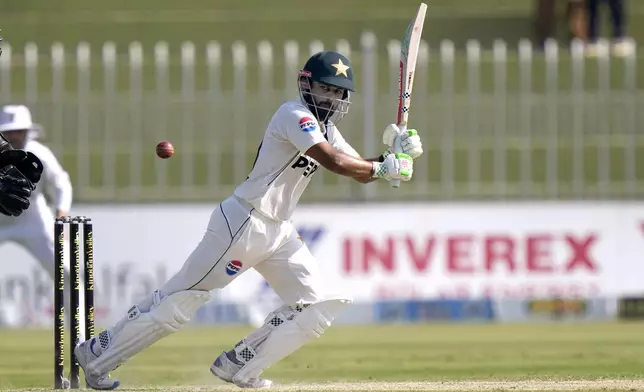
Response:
column 369, row 178
column 339, row 162
column 349, row 166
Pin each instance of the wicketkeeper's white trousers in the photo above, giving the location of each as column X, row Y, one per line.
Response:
column 239, row 238
column 34, row 230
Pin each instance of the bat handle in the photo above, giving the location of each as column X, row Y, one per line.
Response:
column 398, row 148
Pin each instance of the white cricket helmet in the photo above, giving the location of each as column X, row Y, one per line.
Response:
column 16, row 118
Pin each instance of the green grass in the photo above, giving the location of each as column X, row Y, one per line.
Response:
column 419, row 353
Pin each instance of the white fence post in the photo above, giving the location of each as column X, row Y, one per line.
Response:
column 500, row 53
column 448, row 117
column 393, row 54
column 162, row 106
column 630, row 124
column 578, row 118
column 370, row 90
column 31, row 73
column 474, row 101
column 83, row 147
column 110, row 119
column 135, row 128
column 265, row 57
column 421, row 109
column 5, row 73
column 343, row 46
column 315, row 46
column 552, row 124
column 187, row 117
column 55, row 128
column 292, row 65
column 240, row 60
column 603, row 110
column 213, row 59
column 525, row 123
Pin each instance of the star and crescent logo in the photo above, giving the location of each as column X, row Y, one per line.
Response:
column 340, row 68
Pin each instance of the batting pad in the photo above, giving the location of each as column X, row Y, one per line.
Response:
column 289, row 336
column 143, row 328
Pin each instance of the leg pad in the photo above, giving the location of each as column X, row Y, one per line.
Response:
column 143, row 327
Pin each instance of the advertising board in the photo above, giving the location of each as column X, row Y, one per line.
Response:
column 370, row 252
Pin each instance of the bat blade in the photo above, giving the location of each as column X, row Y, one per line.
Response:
column 408, row 57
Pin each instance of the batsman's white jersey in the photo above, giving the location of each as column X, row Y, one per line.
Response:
column 34, row 229
column 252, row 228
column 281, row 171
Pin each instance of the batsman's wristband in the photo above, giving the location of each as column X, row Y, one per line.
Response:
column 378, row 170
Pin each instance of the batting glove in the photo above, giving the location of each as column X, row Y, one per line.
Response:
column 409, row 140
column 395, row 167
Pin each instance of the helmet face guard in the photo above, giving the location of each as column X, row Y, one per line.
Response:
column 324, row 112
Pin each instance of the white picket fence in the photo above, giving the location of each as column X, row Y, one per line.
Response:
column 499, row 122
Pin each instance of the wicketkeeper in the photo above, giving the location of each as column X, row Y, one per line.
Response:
column 33, row 230
column 20, row 171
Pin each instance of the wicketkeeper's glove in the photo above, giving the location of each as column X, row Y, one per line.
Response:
column 25, row 161
column 15, row 190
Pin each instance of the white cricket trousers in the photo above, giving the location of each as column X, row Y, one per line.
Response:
column 34, row 230
column 238, row 238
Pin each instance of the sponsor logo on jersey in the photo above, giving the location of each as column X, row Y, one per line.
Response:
column 308, row 165
column 307, row 124
column 233, row 267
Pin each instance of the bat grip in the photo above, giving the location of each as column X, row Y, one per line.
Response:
column 397, row 147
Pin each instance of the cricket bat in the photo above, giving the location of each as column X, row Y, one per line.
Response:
column 408, row 57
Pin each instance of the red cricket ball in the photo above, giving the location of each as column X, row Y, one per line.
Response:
column 165, row 149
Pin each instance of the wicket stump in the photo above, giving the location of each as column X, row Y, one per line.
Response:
column 75, row 223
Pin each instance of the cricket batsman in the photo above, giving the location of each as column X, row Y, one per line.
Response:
column 35, row 228
column 252, row 229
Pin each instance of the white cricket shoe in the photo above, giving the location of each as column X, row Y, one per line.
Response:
column 85, row 353
column 226, row 369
